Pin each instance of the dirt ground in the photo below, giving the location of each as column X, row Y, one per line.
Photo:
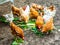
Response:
column 6, row 37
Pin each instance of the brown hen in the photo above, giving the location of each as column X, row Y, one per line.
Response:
column 15, row 10
column 33, row 13
column 48, row 26
column 17, row 30
column 39, row 22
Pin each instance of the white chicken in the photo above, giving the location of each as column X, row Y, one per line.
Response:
column 49, row 12
column 9, row 17
column 25, row 14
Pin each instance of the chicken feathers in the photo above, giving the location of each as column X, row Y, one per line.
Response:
column 33, row 13
column 9, row 17
column 50, row 11
column 37, row 7
column 15, row 10
column 17, row 30
column 25, row 14
column 48, row 25
column 39, row 22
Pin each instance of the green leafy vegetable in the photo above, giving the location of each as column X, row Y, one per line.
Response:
column 2, row 19
column 16, row 19
column 23, row 25
column 17, row 41
column 31, row 25
column 39, row 33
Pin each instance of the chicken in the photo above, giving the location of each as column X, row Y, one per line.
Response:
column 9, row 17
column 50, row 11
column 25, row 14
column 17, row 30
column 33, row 13
column 39, row 22
column 37, row 7
column 48, row 25
column 15, row 10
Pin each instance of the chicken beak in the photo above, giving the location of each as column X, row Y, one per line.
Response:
column 23, row 38
column 39, row 27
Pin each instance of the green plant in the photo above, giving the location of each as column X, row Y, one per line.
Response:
column 17, row 41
